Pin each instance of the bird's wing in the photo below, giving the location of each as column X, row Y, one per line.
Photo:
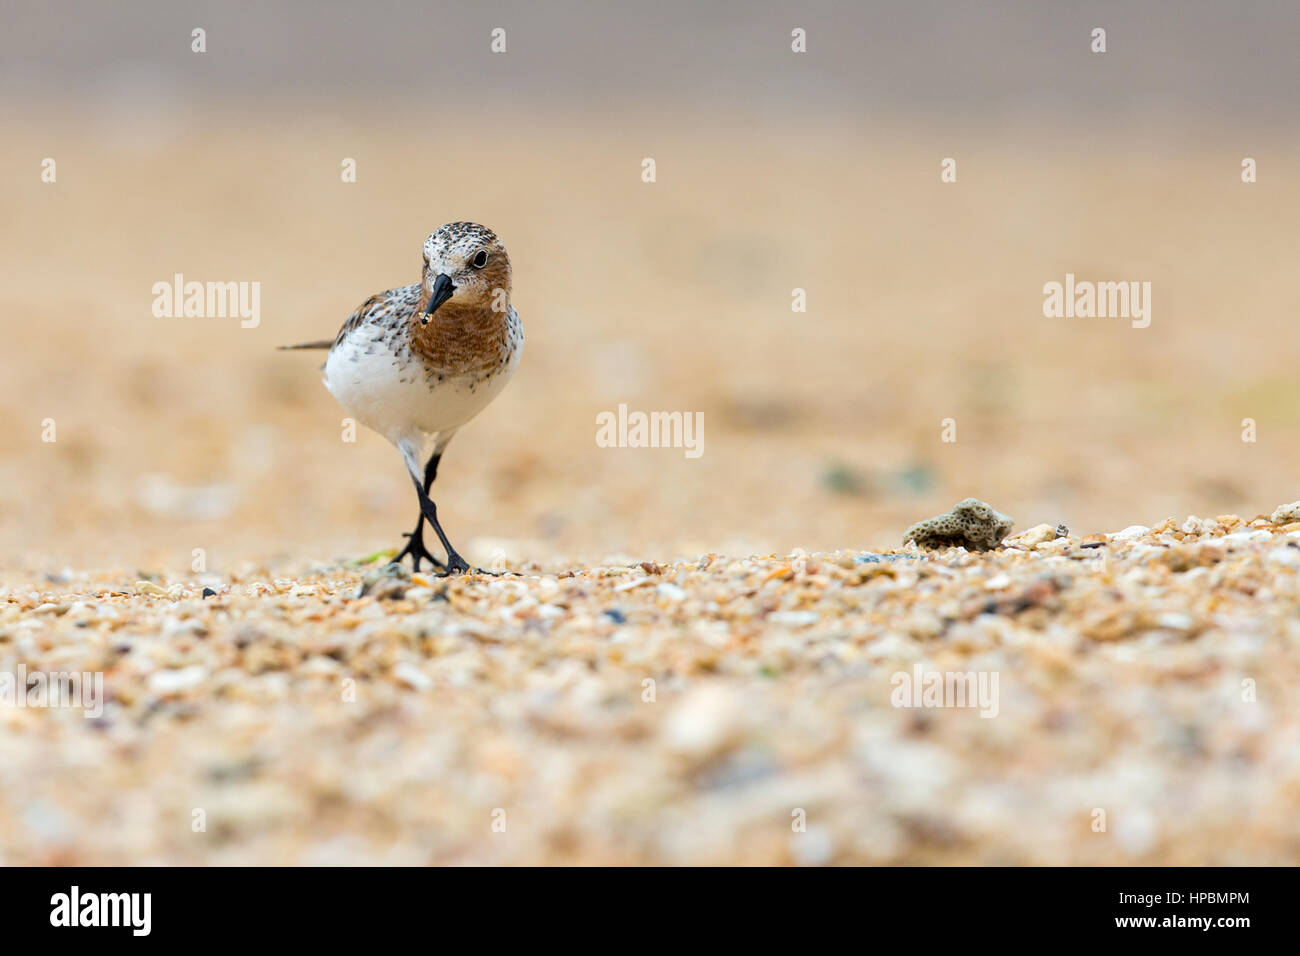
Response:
column 374, row 308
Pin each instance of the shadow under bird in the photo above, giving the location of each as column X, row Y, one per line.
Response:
column 417, row 362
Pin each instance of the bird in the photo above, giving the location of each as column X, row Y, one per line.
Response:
column 417, row 362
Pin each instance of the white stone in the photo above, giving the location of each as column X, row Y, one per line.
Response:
column 671, row 591
column 1247, row 537
column 412, row 676
column 1285, row 514
column 176, row 681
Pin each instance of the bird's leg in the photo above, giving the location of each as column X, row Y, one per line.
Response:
column 415, row 546
column 429, row 511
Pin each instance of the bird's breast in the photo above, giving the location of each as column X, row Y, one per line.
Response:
column 389, row 386
column 460, row 342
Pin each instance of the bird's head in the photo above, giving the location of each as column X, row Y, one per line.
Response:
column 465, row 265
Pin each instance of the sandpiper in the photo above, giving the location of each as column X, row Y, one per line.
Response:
column 417, row 362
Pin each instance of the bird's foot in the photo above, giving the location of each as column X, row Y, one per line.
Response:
column 458, row 565
column 416, row 549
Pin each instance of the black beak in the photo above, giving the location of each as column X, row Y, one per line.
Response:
column 442, row 291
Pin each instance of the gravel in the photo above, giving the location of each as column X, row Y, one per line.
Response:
column 722, row 710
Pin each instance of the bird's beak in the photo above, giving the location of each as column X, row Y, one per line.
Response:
column 442, row 291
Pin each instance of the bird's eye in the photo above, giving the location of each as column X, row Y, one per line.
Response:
column 480, row 260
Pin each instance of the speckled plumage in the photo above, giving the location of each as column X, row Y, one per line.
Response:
column 416, row 378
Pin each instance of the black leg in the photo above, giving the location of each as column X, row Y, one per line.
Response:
column 415, row 546
column 429, row 511
column 431, row 472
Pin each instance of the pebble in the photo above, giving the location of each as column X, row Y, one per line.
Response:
column 1035, row 535
column 1288, row 556
column 794, row 618
column 671, row 591
column 814, row 847
column 177, row 681
column 704, row 723
column 1247, row 537
column 1284, row 514
column 412, row 676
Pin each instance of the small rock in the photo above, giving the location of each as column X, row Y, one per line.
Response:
column 1035, row 535
column 1247, row 537
column 1284, row 514
column 1135, row 830
column 412, row 676
column 798, row 618
column 388, row 582
column 1131, row 533
column 971, row 524
column 705, row 723
column 1284, row 555
column 175, row 681
column 671, row 591
column 148, row 587
column 813, row 847
column 187, row 628
column 1175, row 621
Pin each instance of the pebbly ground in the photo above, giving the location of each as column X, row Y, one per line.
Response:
column 1139, row 707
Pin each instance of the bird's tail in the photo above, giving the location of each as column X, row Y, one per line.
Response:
column 322, row 344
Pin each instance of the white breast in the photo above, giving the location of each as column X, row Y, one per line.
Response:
column 391, row 393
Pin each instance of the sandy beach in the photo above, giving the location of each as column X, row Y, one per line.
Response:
column 1125, row 699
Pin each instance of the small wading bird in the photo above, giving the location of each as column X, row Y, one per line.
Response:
column 418, row 362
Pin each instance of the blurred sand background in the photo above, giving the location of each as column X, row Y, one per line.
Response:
column 775, row 171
